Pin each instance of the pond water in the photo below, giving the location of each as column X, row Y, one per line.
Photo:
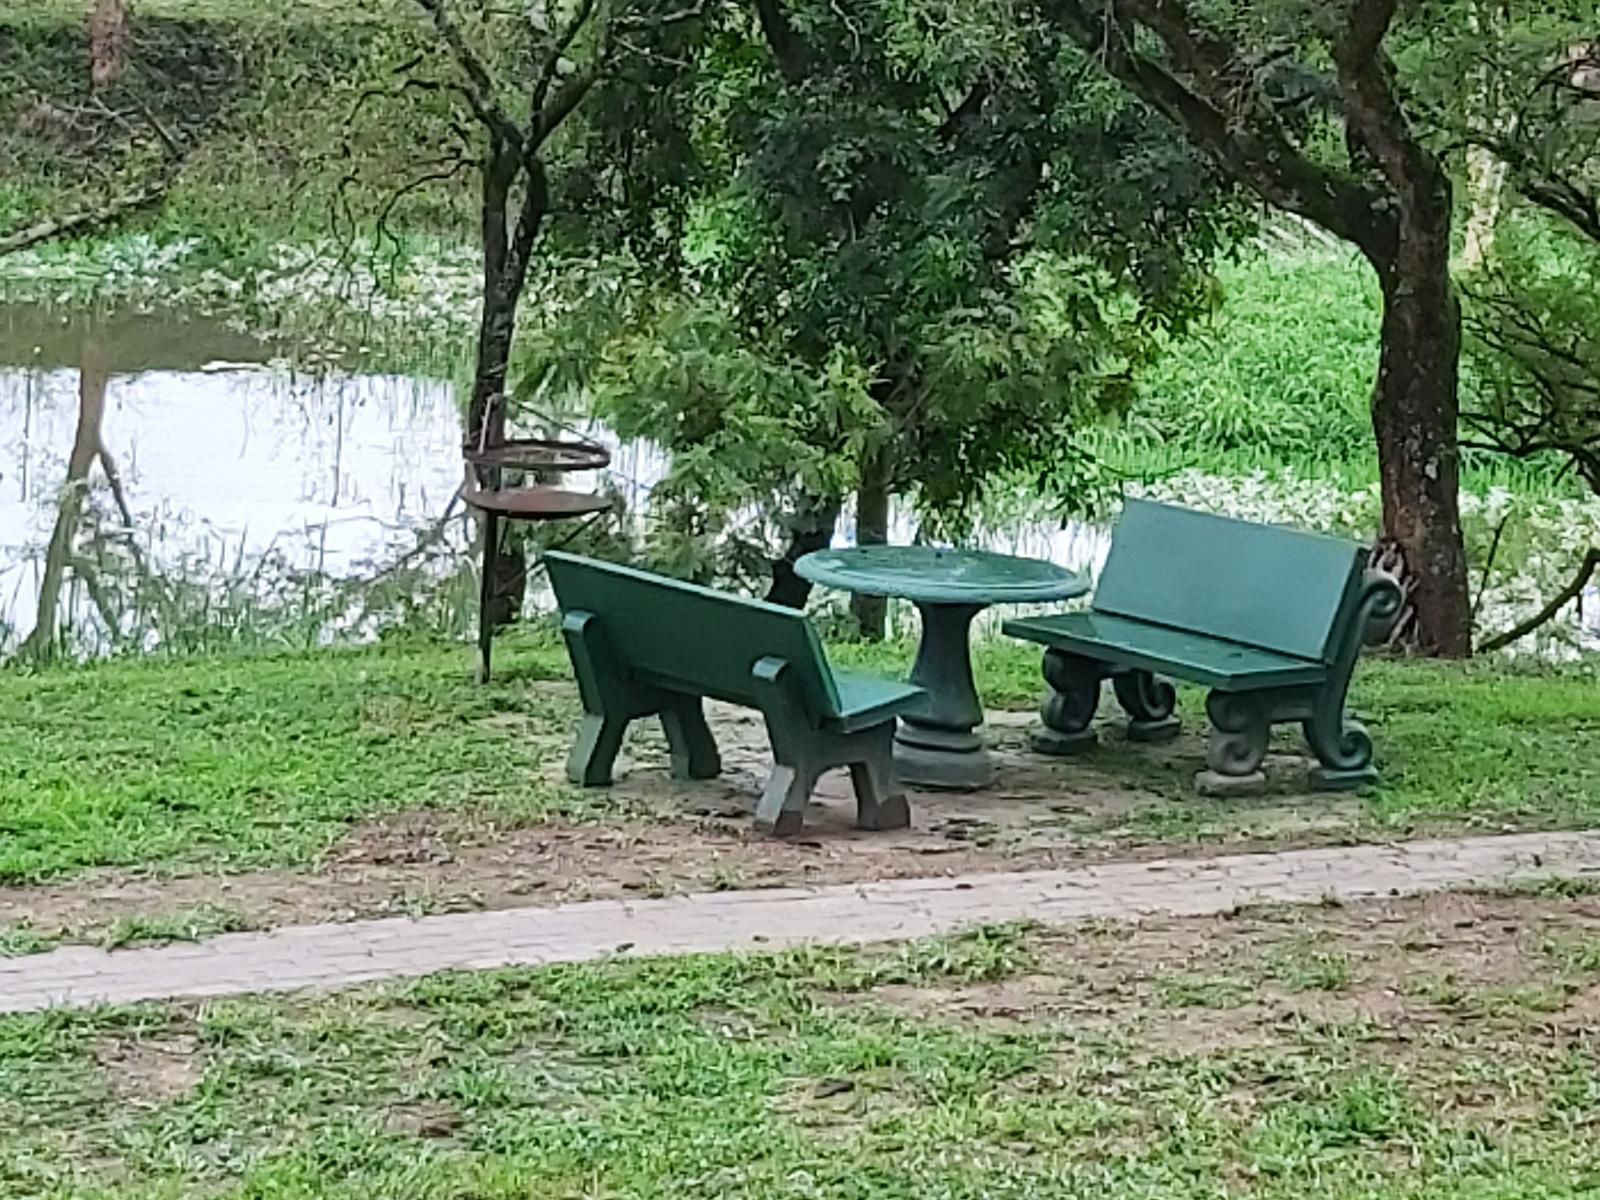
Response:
column 167, row 484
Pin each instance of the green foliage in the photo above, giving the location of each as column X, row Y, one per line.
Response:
column 1282, row 373
column 233, row 88
column 918, row 242
column 1534, row 345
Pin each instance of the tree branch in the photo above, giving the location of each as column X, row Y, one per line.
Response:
column 970, row 107
column 1373, row 114
column 1591, row 563
column 788, row 50
column 548, row 119
column 480, row 88
column 1255, row 150
column 552, row 64
column 83, row 222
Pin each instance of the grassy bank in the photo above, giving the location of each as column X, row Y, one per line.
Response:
column 299, row 205
column 1418, row 1051
column 228, row 764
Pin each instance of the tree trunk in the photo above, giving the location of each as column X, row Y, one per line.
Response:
column 1486, row 171
column 872, row 529
column 108, row 43
column 810, row 529
column 1415, row 415
column 501, row 292
column 93, row 377
column 1486, row 185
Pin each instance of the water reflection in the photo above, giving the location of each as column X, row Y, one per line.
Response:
column 161, row 472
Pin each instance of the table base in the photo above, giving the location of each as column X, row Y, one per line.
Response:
column 943, row 760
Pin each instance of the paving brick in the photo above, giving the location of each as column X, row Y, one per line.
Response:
column 338, row 955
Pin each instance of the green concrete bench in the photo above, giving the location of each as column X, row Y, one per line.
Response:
column 1270, row 619
column 644, row 645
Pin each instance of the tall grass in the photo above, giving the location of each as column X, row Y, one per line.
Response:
column 1279, row 380
column 1282, row 372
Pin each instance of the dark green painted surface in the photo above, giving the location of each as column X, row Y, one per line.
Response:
column 691, row 638
column 1194, row 657
column 935, row 575
column 1259, row 585
column 939, row 746
column 1271, row 620
column 869, row 699
column 644, row 645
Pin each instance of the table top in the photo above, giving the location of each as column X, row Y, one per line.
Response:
column 931, row 575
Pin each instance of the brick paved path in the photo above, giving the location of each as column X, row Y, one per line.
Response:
column 325, row 956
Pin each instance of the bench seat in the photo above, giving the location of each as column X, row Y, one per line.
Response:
column 1139, row 645
column 869, row 700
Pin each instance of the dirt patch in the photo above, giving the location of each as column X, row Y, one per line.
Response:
column 149, row 1072
column 1412, row 965
column 672, row 837
column 431, row 1122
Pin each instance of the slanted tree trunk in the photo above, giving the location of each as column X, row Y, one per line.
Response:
column 873, row 497
column 1486, row 171
column 507, row 254
column 810, row 529
column 1486, row 186
column 1392, row 200
column 505, row 273
column 93, row 376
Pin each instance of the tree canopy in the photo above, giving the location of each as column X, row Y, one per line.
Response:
column 912, row 247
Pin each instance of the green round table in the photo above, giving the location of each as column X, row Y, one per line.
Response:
column 942, row 746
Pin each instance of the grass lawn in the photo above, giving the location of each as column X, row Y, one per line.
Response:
column 229, row 764
column 1408, row 1050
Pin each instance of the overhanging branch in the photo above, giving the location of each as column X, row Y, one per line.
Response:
column 479, row 90
column 1373, row 114
column 1206, row 102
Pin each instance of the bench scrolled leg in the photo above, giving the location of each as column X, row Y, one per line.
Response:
column 1240, row 728
column 1070, row 704
column 1342, row 745
column 595, row 750
column 1344, row 751
column 1149, row 701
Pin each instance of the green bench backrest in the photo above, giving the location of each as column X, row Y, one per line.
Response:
column 679, row 635
column 1258, row 585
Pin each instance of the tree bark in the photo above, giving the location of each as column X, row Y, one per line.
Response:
column 810, row 529
column 1415, row 415
column 108, row 42
column 1486, row 170
column 497, row 324
column 872, row 529
column 1393, row 203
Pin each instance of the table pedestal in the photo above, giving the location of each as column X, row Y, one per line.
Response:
column 942, row 747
